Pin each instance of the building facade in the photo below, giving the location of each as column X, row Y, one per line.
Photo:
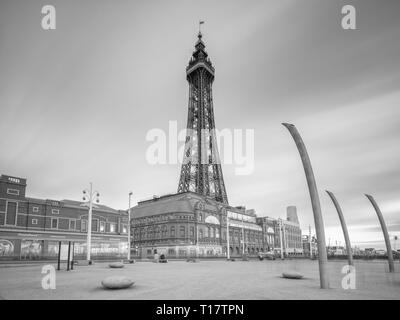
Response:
column 191, row 225
column 268, row 227
column 288, row 237
column 31, row 228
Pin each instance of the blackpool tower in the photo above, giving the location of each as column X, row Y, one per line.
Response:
column 201, row 168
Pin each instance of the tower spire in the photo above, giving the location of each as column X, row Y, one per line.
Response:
column 200, row 23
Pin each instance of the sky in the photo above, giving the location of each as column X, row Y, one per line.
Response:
column 77, row 102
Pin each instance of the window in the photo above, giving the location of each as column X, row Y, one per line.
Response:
column 84, row 225
column 124, row 228
column 95, row 223
column 192, row 231
column 55, row 211
column 54, row 223
column 182, row 252
column 15, row 180
column 164, row 231
column 35, row 209
column 34, row 221
column 217, row 233
column 14, row 192
column 182, row 231
column 72, row 224
column 113, row 227
column 201, row 233
column 172, row 231
column 11, row 215
column 102, row 226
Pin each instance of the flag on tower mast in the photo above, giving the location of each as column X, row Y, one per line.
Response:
column 200, row 23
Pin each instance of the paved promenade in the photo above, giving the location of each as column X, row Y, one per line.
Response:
column 204, row 280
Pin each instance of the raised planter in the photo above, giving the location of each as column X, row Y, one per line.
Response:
column 117, row 282
column 116, row 265
column 292, row 275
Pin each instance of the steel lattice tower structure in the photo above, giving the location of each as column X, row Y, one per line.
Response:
column 201, row 168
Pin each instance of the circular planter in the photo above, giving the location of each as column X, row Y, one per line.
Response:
column 116, row 265
column 292, row 275
column 117, row 282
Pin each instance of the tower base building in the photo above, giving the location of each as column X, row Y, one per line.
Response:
column 187, row 224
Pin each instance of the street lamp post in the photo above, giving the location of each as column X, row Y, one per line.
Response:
column 129, row 227
column 280, row 237
column 242, row 237
column 89, row 195
column 227, row 237
column 309, row 240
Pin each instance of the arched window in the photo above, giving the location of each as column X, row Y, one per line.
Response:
column 212, row 220
column 146, row 233
column 164, row 231
column 157, row 235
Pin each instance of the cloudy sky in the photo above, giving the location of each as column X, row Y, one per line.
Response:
column 77, row 102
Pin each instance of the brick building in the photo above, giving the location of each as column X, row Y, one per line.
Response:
column 31, row 228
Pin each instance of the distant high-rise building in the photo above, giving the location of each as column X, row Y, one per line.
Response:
column 291, row 214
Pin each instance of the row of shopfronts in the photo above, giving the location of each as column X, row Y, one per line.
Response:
column 191, row 251
column 38, row 246
column 45, row 246
column 179, row 251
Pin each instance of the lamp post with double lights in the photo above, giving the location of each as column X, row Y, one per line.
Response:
column 280, row 237
column 129, row 227
column 89, row 196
